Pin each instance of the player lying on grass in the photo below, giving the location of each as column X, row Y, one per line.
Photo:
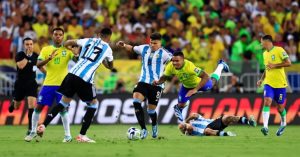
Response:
column 196, row 125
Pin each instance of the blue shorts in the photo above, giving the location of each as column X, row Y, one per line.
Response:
column 183, row 91
column 277, row 94
column 48, row 94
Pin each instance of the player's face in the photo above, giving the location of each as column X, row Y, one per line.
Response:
column 177, row 62
column 264, row 43
column 189, row 128
column 28, row 45
column 58, row 36
column 155, row 44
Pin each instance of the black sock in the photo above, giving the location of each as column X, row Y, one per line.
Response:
column 50, row 116
column 243, row 120
column 153, row 117
column 87, row 120
column 139, row 113
column 30, row 111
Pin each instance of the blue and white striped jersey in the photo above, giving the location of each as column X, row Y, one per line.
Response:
column 199, row 125
column 93, row 52
column 153, row 63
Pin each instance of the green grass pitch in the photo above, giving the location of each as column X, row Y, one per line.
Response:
column 112, row 142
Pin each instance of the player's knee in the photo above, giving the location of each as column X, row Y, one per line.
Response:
column 151, row 111
column 137, row 102
column 181, row 105
column 267, row 102
column 64, row 103
column 280, row 108
column 30, row 106
column 93, row 105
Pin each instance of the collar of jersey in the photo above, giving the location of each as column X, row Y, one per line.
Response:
column 271, row 49
column 57, row 47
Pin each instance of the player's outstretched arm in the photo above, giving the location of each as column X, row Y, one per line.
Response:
column 107, row 64
column 191, row 117
column 286, row 63
column 70, row 43
column 259, row 82
column 161, row 80
column 73, row 46
column 127, row 47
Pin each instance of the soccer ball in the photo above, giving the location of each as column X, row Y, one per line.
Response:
column 133, row 133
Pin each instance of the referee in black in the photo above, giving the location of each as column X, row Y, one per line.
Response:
column 25, row 85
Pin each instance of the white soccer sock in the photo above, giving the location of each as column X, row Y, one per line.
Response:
column 35, row 120
column 266, row 115
column 283, row 118
column 283, row 121
column 65, row 120
column 219, row 69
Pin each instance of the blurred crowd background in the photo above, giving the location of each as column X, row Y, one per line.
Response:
column 205, row 30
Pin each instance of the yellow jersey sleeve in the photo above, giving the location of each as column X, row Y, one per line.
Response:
column 193, row 69
column 281, row 52
column 169, row 69
column 43, row 53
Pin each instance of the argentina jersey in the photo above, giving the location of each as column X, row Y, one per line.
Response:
column 199, row 125
column 153, row 63
column 93, row 52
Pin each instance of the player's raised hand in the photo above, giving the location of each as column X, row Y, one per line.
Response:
column 121, row 43
column 53, row 54
column 259, row 82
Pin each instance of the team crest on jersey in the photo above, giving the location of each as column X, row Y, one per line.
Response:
column 64, row 53
column 273, row 57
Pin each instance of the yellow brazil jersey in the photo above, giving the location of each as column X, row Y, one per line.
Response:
column 275, row 77
column 57, row 68
column 187, row 75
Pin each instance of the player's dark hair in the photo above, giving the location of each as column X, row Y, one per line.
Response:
column 267, row 37
column 58, row 29
column 178, row 53
column 25, row 39
column 105, row 32
column 155, row 36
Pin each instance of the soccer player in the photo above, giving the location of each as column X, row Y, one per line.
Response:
column 193, row 79
column 275, row 59
column 80, row 79
column 55, row 59
column 154, row 59
column 196, row 125
column 25, row 85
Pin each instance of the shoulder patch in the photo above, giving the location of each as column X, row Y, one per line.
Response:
column 197, row 70
column 284, row 54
